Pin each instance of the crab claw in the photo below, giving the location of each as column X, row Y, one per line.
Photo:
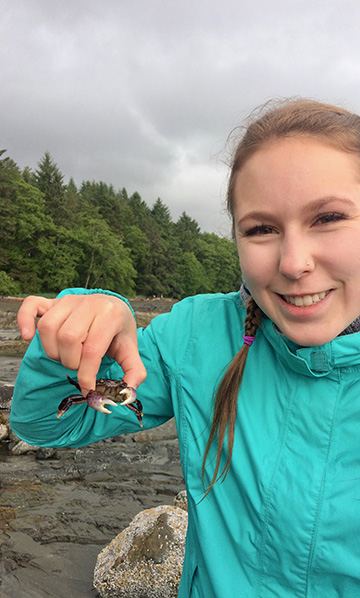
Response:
column 130, row 394
column 98, row 402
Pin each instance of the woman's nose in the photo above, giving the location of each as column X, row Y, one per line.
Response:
column 295, row 259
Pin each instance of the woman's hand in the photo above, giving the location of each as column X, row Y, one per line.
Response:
column 78, row 330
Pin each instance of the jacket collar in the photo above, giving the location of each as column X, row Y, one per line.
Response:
column 318, row 361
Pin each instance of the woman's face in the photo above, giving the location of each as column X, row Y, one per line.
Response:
column 297, row 224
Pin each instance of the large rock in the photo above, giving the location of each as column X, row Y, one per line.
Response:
column 145, row 560
column 6, row 393
column 180, row 500
column 4, row 427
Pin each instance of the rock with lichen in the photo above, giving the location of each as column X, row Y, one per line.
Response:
column 22, row 447
column 180, row 500
column 4, row 428
column 145, row 560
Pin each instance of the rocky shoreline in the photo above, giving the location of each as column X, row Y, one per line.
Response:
column 11, row 342
column 60, row 507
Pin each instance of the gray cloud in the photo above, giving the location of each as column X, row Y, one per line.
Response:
column 142, row 94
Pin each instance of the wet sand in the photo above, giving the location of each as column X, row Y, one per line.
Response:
column 59, row 508
column 9, row 367
column 57, row 513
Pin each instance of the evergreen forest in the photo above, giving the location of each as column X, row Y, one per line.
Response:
column 55, row 235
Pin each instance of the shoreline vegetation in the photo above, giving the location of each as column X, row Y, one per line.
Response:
column 57, row 235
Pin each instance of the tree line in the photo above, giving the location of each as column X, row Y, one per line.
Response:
column 56, row 235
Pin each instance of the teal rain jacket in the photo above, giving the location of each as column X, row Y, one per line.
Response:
column 285, row 523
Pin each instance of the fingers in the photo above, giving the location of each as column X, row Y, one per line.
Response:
column 31, row 308
column 121, row 346
column 100, row 333
column 78, row 330
column 62, row 330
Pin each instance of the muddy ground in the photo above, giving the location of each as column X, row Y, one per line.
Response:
column 59, row 508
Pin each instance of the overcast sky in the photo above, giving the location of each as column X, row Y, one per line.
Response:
column 143, row 93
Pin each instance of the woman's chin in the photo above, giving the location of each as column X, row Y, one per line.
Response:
column 308, row 335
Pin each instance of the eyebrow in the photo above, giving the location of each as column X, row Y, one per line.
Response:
column 313, row 206
column 325, row 201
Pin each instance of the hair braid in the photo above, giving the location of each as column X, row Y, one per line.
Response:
column 227, row 396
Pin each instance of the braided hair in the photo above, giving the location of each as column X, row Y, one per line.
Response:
column 227, row 396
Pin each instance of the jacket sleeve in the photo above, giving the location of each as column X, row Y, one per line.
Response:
column 42, row 384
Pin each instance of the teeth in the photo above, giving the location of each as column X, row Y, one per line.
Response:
column 305, row 300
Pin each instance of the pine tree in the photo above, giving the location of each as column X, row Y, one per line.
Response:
column 49, row 180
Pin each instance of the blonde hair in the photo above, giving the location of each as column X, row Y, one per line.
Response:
column 275, row 120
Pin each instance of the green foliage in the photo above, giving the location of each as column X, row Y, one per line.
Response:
column 49, row 180
column 191, row 274
column 56, row 235
column 161, row 214
column 8, row 286
column 187, row 231
column 23, row 224
column 29, row 176
column 106, row 262
column 57, row 258
column 137, row 243
column 220, row 261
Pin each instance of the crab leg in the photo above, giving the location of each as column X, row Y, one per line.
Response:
column 137, row 408
column 73, row 382
column 68, row 402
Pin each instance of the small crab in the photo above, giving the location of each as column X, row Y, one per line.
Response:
column 107, row 392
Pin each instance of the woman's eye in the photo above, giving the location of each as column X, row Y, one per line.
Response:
column 330, row 217
column 262, row 229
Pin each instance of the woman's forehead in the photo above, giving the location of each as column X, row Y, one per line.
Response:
column 299, row 170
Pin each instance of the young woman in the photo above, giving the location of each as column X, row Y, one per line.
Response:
column 284, row 518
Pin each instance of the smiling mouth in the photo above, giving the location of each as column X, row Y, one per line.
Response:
column 305, row 300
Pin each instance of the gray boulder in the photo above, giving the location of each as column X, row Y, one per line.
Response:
column 6, row 393
column 22, row 447
column 145, row 560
